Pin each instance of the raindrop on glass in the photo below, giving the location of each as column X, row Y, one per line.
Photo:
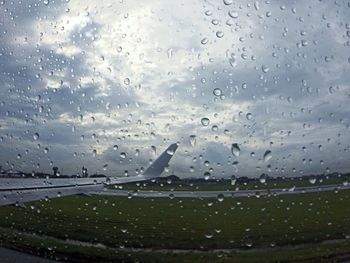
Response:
column 220, row 197
column 312, row 180
column 36, row 136
column 205, row 121
column 204, row 41
column 263, row 178
column 192, row 140
column 233, row 14
column 235, row 149
column 217, row 92
column 206, row 176
column 127, row 81
column 249, row 116
column 256, row 5
column 267, row 156
column 233, row 180
column 265, row 68
column 220, row 34
column 232, row 60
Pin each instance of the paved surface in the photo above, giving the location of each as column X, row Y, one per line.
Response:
column 214, row 194
column 13, row 256
column 19, row 191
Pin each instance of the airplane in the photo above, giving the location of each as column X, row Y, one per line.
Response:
column 20, row 190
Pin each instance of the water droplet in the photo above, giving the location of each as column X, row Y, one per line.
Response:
column 233, row 14
column 265, row 68
column 36, row 136
column 46, row 2
column 123, row 155
column 206, row 176
column 105, row 167
column 220, row 34
column 205, row 121
column 192, row 140
column 154, row 150
column 263, row 178
column 126, row 81
column 217, row 92
column 232, row 60
column 267, row 156
column 204, row 41
column 228, row 2
column 233, row 180
column 170, row 152
column 249, row 116
column 235, row 149
column 256, row 5
column 115, row 147
column 209, row 236
column 94, row 152
column 312, row 180
column 208, row 13
column 220, row 197
column 170, row 52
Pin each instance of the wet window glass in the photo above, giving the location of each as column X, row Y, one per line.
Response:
column 174, row 131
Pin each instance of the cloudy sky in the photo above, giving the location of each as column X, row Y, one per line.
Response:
column 110, row 84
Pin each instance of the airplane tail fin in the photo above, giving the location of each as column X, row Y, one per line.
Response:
column 158, row 166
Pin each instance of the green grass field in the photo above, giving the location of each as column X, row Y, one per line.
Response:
column 164, row 223
column 219, row 186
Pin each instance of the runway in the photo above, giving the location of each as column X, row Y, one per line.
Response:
column 215, row 194
column 13, row 256
column 19, row 191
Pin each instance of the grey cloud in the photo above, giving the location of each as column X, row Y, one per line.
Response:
column 274, row 98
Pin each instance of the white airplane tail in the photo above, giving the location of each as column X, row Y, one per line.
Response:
column 158, row 166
